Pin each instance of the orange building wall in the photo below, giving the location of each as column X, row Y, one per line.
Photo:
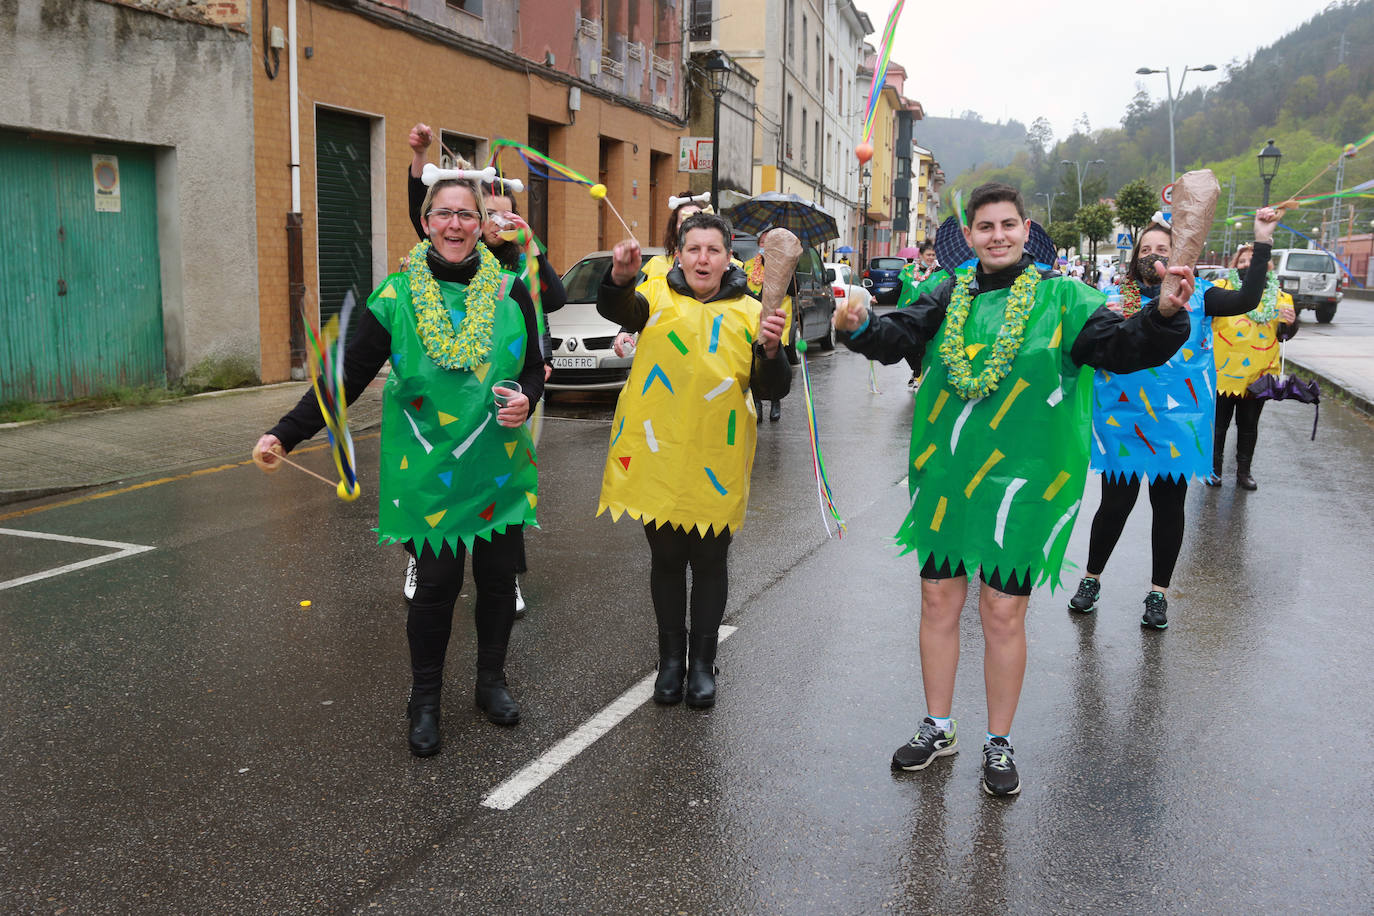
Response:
column 386, row 73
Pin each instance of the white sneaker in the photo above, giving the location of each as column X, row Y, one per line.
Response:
column 519, row 601
column 914, row 382
column 412, row 578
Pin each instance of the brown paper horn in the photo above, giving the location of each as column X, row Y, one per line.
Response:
column 781, row 251
column 1195, row 204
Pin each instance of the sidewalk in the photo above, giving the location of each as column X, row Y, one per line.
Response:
column 133, row 443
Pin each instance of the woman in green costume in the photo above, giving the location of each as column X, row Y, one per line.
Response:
column 999, row 449
column 457, row 474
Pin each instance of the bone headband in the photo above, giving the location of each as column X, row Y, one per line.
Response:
column 432, row 174
column 703, row 199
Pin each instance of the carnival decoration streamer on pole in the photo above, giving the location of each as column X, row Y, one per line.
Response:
column 873, row 378
column 544, row 167
column 823, row 492
column 518, row 231
column 864, row 151
column 327, row 377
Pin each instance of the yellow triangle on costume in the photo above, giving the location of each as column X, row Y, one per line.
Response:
column 1058, row 336
column 1173, row 451
column 481, row 371
column 532, row 498
column 972, row 349
column 445, row 419
column 436, row 517
column 387, row 293
column 405, row 462
column 510, row 449
column 1187, row 354
column 1111, row 420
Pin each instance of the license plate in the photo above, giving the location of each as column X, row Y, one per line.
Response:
column 574, row 362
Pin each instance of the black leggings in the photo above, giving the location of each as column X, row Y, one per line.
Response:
column 439, row 579
column 1015, row 585
column 1166, row 532
column 1247, row 414
column 671, row 551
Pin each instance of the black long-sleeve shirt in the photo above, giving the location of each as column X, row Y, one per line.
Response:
column 1107, row 341
column 369, row 347
column 769, row 378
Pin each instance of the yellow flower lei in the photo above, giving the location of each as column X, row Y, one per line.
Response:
column 1004, row 349
column 468, row 348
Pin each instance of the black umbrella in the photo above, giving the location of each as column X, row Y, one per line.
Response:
column 1289, row 388
column 952, row 251
column 774, row 209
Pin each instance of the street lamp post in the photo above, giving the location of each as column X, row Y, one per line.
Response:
column 1168, row 84
column 1049, row 204
column 1269, row 159
column 717, row 70
column 1082, row 169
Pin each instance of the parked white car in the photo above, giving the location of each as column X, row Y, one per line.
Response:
column 840, row 277
column 583, row 358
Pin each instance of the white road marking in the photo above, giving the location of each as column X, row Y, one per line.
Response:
column 121, row 550
column 511, row 792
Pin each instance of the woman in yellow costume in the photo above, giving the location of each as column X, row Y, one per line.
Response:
column 682, row 446
column 1246, row 349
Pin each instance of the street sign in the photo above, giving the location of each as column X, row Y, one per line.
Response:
column 1123, row 240
column 694, row 154
column 1168, row 194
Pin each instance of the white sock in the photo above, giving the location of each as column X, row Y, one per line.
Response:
column 990, row 736
column 944, row 724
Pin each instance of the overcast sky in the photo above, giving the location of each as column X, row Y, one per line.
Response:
column 1071, row 56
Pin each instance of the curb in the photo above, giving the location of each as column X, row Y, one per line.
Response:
column 1355, row 400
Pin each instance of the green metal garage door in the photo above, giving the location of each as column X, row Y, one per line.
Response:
column 80, row 287
column 343, row 194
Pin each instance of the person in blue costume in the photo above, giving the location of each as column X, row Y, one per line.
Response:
column 1156, row 425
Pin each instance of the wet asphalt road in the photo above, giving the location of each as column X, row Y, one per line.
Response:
column 181, row 735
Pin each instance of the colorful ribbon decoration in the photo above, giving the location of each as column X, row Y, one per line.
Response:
column 327, row 378
column 823, row 491
column 880, row 70
column 544, row 167
column 1339, row 263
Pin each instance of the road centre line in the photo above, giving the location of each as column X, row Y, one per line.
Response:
column 510, row 793
column 121, row 550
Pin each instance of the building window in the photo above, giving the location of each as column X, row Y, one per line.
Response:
column 700, row 22
column 787, row 125
column 819, row 148
column 803, row 138
column 805, row 47
column 830, row 76
column 818, row 63
column 459, row 145
column 788, row 26
column 468, row 6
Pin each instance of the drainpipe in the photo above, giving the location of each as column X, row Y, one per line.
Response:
column 295, row 236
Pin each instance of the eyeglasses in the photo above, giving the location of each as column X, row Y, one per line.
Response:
column 443, row 215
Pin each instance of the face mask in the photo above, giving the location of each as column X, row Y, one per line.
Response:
column 1147, row 268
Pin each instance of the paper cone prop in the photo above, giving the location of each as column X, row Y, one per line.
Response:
column 1195, row 203
column 781, row 251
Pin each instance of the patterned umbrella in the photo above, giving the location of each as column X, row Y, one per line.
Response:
column 952, row 251
column 774, row 209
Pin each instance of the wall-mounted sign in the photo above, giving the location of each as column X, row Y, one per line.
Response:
column 694, row 154
column 105, row 174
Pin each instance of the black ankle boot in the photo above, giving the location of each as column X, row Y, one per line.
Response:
column 758, row 411
column 423, row 736
column 672, row 667
column 1243, row 478
column 493, row 698
column 701, row 671
column 775, row 412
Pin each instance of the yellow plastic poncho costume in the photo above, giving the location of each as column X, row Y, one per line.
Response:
column 1246, row 346
column 683, row 435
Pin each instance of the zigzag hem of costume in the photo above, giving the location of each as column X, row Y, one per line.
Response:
column 1037, row 573
column 702, row 528
column 1120, row 476
column 436, row 542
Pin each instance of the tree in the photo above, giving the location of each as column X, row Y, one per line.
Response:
column 1095, row 221
column 1135, row 204
column 1038, row 139
column 1138, row 112
column 1063, row 233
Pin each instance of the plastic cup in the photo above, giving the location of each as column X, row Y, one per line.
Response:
column 503, row 390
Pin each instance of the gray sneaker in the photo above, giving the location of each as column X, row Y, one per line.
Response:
column 928, row 743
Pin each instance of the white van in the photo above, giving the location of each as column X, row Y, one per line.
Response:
column 1312, row 278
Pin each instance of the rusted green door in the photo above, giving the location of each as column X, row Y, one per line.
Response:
column 343, row 188
column 80, row 278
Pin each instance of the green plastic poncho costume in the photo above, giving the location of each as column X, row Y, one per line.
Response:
column 449, row 472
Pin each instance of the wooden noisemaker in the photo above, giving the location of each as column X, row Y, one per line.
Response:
column 1195, row 204
column 781, row 251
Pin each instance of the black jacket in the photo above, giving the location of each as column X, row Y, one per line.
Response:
column 769, row 379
